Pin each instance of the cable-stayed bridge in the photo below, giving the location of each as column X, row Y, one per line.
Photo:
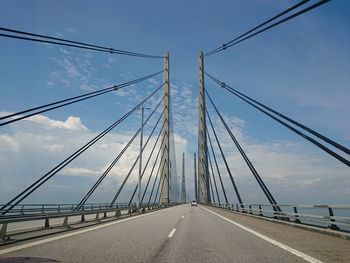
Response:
column 156, row 223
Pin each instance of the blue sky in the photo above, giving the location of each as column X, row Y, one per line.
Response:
column 300, row 68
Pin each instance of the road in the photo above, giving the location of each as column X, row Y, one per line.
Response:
column 186, row 234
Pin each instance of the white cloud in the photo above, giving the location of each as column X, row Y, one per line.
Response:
column 28, row 152
column 72, row 123
column 75, row 71
column 64, row 51
column 8, row 143
column 80, row 172
column 153, row 81
column 184, row 110
column 70, row 68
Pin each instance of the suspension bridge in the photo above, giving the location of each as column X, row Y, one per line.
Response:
column 156, row 223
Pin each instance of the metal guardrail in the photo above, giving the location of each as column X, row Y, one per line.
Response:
column 335, row 217
column 35, row 209
column 46, row 212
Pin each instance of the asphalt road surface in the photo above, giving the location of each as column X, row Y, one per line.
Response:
column 185, row 234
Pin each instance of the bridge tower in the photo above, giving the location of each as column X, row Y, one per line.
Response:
column 203, row 178
column 183, row 181
column 195, row 178
column 165, row 162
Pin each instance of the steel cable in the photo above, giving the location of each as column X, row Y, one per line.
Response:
column 261, row 183
column 310, row 139
column 239, row 39
column 72, row 100
column 18, row 198
column 86, row 197
column 69, row 43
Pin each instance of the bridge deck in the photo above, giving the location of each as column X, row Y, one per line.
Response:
column 200, row 236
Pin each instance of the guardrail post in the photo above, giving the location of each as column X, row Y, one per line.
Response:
column 237, row 208
column 117, row 213
column 296, row 216
column 105, row 215
column 3, row 231
column 82, row 219
column 65, row 222
column 260, row 212
column 250, row 210
column 22, row 209
column 274, row 215
column 47, row 223
column 331, row 214
column 97, row 216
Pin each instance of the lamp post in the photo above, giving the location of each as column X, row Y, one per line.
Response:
column 140, row 160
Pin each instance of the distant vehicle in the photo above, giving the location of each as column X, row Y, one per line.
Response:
column 194, row 203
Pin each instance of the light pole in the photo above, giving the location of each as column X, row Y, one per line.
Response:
column 140, row 160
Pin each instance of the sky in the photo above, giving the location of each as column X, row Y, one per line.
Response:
column 300, row 68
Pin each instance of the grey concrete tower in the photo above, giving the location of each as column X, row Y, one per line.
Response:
column 203, row 180
column 195, row 179
column 183, row 181
column 165, row 162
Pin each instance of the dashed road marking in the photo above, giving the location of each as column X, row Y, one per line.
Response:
column 172, row 232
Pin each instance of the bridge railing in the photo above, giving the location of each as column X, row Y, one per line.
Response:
column 335, row 217
column 35, row 209
column 46, row 214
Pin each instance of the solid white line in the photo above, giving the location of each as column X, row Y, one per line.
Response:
column 270, row 240
column 39, row 242
column 172, row 232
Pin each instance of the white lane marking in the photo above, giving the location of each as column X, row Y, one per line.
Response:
column 172, row 232
column 270, row 240
column 39, row 242
column 182, row 217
